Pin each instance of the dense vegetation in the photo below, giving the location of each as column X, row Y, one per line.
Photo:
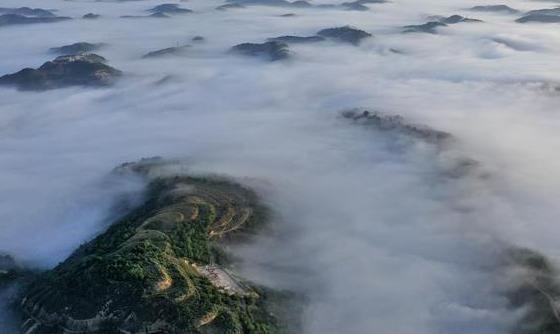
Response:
column 140, row 275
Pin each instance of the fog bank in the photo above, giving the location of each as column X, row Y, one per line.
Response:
column 366, row 224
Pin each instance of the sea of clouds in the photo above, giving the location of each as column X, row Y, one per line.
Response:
column 369, row 230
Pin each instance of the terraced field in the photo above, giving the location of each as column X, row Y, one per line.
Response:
column 160, row 269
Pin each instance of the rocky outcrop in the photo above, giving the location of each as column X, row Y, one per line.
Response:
column 64, row 71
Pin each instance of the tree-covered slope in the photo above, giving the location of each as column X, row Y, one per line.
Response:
column 160, row 269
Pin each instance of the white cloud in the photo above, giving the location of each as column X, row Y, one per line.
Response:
column 375, row 238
